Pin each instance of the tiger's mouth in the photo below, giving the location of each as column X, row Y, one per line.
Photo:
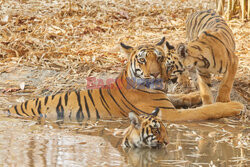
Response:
column 159, row 145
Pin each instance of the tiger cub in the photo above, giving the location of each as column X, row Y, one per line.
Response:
column 145, row 131
column 210, row 50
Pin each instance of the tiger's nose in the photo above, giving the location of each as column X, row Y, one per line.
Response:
column 155, row 74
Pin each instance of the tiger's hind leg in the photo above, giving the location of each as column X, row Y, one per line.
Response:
column 185, row 100
column 227, row 83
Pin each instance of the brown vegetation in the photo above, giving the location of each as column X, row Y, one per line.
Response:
column 81, row 38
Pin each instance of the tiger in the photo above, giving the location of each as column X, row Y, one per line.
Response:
column 210, row 50
column 124, row 95
column 145, row 131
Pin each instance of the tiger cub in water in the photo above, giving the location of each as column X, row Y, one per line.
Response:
column 145, row 131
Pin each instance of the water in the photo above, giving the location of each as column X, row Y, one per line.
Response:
column 29, row 143
column 223, row 142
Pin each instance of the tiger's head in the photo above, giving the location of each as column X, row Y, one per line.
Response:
column 145, row 131
column 177, row 60
column 145, row 61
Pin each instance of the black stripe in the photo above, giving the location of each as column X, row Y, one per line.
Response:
column 60, row 110
column 226, row 68
column 162, row 99
column 105, row 106
column 196, row 47
column 206, row 62
column 33, row 112
column 100, row 91
column 97, row 114
column 79, row 114
column 213, row 56
column 142, row 134
column 228, row 55
column 141, row 90
column 9, row 113
column 46, row 100
column 39, row 109
column 23, row 110
column 52, row 97
column 194, row 27
column 86, row 106
column 25, row 104
column 116, row 103
column 201, row 20
column 17, row 111
column 220, row 66
column 36, row 101
column 91, row 98
column 127, row 99
column 207, row 23
column 66, row 99
column 163, row 107
column 204, row 75
column 231, row 37
column 128, row 107
column 210, row 35
column 126, row 143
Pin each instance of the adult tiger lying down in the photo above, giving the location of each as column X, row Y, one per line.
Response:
column 122, row 97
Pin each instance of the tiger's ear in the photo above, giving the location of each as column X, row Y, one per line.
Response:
column 127, row 49
column 134, row 120
column 161, row 42
column 156, row 112
column 170, row 47
column 182, row 50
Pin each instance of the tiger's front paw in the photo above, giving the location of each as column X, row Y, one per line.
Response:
column 194, row 99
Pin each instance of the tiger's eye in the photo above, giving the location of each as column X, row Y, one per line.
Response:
column 160, row 59
column 142, row 60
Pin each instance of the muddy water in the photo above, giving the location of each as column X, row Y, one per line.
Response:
column 224, row 142
column 29, row 143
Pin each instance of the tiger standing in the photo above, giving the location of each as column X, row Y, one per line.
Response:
column 125, row 95
column 210, row 49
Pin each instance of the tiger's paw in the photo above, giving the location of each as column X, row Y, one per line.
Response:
column 193, row 99
column 236, row 108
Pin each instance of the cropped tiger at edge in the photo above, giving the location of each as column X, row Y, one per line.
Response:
column 210, row 50
column 122, row 97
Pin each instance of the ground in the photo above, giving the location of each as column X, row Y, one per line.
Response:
column 53, row 46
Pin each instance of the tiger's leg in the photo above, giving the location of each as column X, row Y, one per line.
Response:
column 204, row 81
column 227, row 83
column 212, row 111
column 183, row 79
column 185, row 100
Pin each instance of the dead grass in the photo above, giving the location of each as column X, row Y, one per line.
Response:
column 81, row 38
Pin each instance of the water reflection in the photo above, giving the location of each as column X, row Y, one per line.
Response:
column 26, row 143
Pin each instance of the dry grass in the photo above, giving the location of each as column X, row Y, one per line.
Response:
column 81, row 38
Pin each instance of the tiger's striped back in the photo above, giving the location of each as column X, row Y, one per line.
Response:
column 201, row 21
